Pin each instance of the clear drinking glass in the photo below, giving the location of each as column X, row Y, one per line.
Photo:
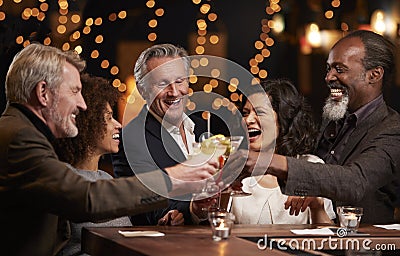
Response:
column 349, row 217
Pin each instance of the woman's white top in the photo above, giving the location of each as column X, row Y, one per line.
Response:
column 266, row 205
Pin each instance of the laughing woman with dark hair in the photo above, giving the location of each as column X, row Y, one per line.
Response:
column 98, row 135
column 295, row 135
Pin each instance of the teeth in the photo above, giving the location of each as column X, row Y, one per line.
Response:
column 73, row 115
column 253, row 130
column 336, row 92
column 115, row 136
column 170, row 102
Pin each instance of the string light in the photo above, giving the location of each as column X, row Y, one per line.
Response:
column 276, row 24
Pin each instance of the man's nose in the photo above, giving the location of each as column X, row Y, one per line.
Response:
column 330, row 76
column 81, row 103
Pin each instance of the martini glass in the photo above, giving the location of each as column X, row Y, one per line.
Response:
column 209, row 148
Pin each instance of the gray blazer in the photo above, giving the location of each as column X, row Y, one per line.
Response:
column 369, row 171
column 38, row 193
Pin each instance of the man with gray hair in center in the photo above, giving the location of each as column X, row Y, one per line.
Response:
column 162, row 129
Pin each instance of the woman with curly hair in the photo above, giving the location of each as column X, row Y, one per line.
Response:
column 98, row 135
column 295, row 135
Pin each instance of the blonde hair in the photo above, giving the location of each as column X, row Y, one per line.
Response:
column 36, row 63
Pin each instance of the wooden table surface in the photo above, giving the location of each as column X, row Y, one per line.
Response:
column 189, row 240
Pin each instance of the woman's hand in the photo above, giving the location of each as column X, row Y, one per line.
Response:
column 295, row 204
column 172, row 218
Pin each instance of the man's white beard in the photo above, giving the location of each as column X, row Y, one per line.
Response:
column 335, row 110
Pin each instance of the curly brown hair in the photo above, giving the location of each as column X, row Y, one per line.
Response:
column 91, row 124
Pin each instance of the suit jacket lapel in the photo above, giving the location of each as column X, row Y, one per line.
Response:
column 361, row 131
column 154, row 127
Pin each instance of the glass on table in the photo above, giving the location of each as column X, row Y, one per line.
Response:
column 221, row 223
column 349, row 217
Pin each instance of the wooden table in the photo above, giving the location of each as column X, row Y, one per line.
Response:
column 189, row 240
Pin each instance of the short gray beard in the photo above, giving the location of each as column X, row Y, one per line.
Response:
column 68, row 130
column 335, row 110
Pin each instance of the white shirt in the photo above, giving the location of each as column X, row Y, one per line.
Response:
column 173, row 130
column 266, row 205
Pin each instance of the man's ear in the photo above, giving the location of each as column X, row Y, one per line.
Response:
column 42, row 93
column 376, row 74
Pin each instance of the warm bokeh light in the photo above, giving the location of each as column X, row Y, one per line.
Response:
column 152, row 23
column 199, row 49
column 214, row 83
column 62, row 19
column 150, row 3
column 75, row 18
column 44, row 7
column 259, row 45
column 269, row 41
column 263, row 73
column 207, row 88
column 63, row 4
column 212, row 17
column 63, row 11
column 215, row 73
column 201, row 24
column 122, row 15
column 195, row 63
column 89, row 22
column 266, row 53
column 66, row 47
column 159, row 12
column 19, row 39
column 193, row 79
column 47, row 41
column 259, row 58
column 86, row 30
column 116, row 83
column 99, row 39
column 61, row 29
column 114, row 70
column 2, row 16
column 95, row 54
column 234, row 97
column 201, row 40
column 329, row 14
column 253, row 62
column 335, row 3
column 105, row 64
column 35, row 12
column 214, row 39
column 152, row 36
column 204, row 62
column 98, row 21
column 112, row 17
column 344, row 26
column 232, row 88
column 205, row 8
column 78, row 49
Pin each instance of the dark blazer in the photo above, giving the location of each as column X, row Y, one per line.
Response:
column 38, row 193
column 146, row 145
column 369, row 169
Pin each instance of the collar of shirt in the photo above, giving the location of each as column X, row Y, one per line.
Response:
column 363, row 112
column 174, row 131
column 36, row 121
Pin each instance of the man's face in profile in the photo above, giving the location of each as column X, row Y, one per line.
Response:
column 64, row 104
column 167, row 87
